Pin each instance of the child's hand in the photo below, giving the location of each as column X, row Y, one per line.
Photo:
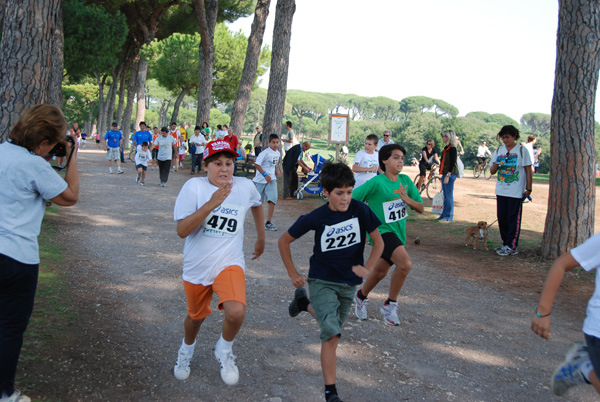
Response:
column 268, row 179
column 360, row 271
column 259, row 249
column 219, row 196
column 298, row 280
column 541, row 326
column 402, row 191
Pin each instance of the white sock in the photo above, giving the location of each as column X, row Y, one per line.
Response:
column 186, row 347
column 223, row 345
column 586, row 368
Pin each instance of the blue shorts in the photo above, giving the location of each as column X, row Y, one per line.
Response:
column 593, row 349
column 267, row 191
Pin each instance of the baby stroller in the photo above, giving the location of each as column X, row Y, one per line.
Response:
column 311, row 183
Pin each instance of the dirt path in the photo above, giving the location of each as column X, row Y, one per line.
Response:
column 465, row 314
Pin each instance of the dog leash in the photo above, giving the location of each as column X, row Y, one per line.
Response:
column 490, row 225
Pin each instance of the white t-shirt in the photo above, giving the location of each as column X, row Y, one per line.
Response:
column 289, row 136
column 511, row 172
column 365, row 160
column 382, row 142
column 27, row 181
column 482, row 151
column 165, row 150
column 218, row 242
column 200, row 141
column 141, row 157
column 267, row 160
column 588, row 257
column 219, row 135
column 529, row 147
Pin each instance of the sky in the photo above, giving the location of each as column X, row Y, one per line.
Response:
column 496, row 56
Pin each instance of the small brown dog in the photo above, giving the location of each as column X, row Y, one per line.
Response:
column 476, row 233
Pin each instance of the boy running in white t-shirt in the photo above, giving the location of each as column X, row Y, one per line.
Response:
column 366, row 161
column 213, row 258
column 142, row 157
column 266, row 177
column 582, row 362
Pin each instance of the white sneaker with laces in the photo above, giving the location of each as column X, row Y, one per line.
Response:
column 568, row 374
column 390, row 313
column 360, row 307
column 110, row 170
column 182, row 366
column 229, row 371
column 15, row 397
column 270, row 226
column 119, row 171
column 137, row 178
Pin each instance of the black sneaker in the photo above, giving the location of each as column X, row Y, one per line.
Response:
column 298, row 294
column 334, row 398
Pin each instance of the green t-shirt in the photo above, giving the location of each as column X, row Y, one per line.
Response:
column 383, row 198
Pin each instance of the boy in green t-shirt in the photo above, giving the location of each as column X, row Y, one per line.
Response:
column 388, row 196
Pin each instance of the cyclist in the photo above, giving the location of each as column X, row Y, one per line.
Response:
column 428, row 156
column 482, row 151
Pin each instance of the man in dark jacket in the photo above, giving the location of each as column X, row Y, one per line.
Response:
column 293, row 158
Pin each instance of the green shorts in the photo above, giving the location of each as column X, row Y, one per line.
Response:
column 331, row 302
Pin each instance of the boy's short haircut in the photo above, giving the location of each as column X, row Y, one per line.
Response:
column 145, row 144
column 288, row 123
column 336, row 175
column 386, row 151
column 218, row 126
column 164, row 130
column 142, row 122
column 154, row 128
column 531, row 138
column 510, row 130
column 197, row 128
column 372, row 137
column 173, row 123
column 273, row 137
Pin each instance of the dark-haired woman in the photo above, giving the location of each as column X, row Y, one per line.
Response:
column 28, row 182
column 449, row 171
column 513, row 162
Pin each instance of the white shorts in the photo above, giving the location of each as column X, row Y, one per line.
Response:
column 267, row 191
column 113, row 154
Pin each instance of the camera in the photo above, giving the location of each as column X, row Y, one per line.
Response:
column 60, row 149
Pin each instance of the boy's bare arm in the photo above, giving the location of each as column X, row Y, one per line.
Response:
column 376, row 251
column 541, row 325
column 187, row 225
column 259, row 246
column 286, row 256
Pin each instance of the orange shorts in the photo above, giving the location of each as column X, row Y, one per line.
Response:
column 229, row 285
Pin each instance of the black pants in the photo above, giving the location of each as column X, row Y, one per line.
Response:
column 290, row 182
column 197, row 162
column 164, row 167
column 18, row 282
column 509, row 211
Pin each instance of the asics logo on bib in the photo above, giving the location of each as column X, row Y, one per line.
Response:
column 395, row 205
column 343, row 229
column 226, row 211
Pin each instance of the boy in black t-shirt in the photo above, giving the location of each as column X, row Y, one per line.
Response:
column 336, row 266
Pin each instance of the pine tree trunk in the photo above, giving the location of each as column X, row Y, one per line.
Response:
column 126, row 123
column 282, row 35
column 240, row 105
column 182, row 95
column 206, row 14
column 141, row 92
column 570, row 219
column 26, row 58
column 55, row 94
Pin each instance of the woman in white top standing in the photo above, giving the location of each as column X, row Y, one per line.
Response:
column 28, row 183
column 366, row 161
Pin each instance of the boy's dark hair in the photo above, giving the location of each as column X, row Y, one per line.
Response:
column 531, row 138
column 142, row 122
column 197, row 128
column 164, row 129
column 336, row 175
column 273, row 137
column 372, row 137
column 510, row 130
column 386, row 151
column 220, row 127
column 288, row 123
column 145, row 143
column 217, row 155
column 154, row 128
column 173, row 123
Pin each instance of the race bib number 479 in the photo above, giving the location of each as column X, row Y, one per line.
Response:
column 340, row 236
column 394, row 211
column 224, row 221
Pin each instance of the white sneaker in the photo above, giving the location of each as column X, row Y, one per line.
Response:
column 270, row 226
column 568, row 374
column 506, row 251
column 360, row 307
column 137, row 178
column 119, row 171
column 110, row 170
column 229, row 371
column 182, row 367
column 16, row 397
column 390, row 313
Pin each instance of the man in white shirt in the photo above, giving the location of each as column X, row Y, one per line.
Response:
column 482, row 151
column 386, row 140
column 288, row 139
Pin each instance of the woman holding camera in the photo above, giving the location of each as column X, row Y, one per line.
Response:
column 28, row 183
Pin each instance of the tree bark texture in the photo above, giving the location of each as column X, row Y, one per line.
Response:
column 141, row 92
column 206, row 14
column 177, row 104
column 570, row 219
column 240, row 105
column 280, row 56
column 55, row 94
column 26, row 63
column 126, row 123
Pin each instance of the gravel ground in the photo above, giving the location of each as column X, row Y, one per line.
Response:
column 460, row 339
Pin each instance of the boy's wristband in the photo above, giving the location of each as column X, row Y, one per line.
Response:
column 541, row 316
column 264, row 174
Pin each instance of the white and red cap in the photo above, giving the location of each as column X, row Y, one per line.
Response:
column 215, row 147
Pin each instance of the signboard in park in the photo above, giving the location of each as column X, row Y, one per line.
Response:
column 339, row 128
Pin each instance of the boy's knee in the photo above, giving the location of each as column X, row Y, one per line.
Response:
column 235, row 311
column 405, row 266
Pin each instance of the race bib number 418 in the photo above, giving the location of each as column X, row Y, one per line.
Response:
column 394, row 211
column 340, row 236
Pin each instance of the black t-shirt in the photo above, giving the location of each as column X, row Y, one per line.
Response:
column 429, row 155
column 339, row 240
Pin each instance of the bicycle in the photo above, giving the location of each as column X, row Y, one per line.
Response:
column 432, row 184
column 482, row 167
